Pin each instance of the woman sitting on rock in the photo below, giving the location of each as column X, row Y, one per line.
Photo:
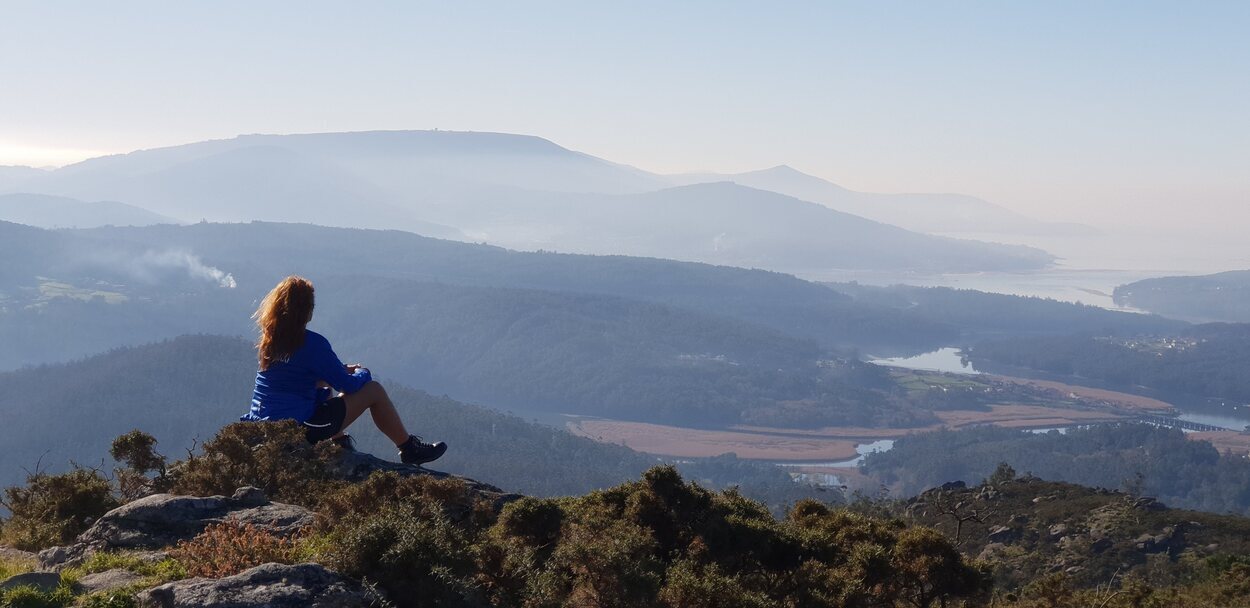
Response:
column 298, row 368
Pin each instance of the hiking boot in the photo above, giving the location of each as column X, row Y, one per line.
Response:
column 415, row 451
column 345, row 442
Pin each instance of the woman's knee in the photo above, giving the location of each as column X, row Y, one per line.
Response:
column 374, row 388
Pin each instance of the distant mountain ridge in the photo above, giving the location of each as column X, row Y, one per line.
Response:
column 45, row 211
column 927, row 213
column 519, row 191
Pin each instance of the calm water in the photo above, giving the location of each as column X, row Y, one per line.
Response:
column 863, row 449
column 941, row 360
column 1092, row 287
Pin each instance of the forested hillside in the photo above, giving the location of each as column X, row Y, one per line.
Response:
column 980, row 315
column 1223, row 296
column 1146, row 459
column 183, row 390
column 1207, row 361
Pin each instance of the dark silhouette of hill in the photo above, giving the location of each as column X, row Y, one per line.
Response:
column 1223, row 296
column 982, row 315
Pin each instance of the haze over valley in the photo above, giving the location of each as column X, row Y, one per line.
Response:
column 694, row 305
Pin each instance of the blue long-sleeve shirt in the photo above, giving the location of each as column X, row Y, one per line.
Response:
column 288, row 389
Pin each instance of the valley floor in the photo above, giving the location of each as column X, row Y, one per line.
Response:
column 832, row 450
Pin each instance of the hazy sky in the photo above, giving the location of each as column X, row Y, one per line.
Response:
column 1086, row 111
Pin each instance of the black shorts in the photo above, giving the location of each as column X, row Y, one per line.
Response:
column 327, row 421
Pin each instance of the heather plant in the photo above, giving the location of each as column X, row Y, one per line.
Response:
column 53, row 509
column 272, row 456
column 230, row 547
column 448, row 497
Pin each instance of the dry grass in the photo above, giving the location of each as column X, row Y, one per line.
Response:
column 1224, row 441
column 1116, row 399
column 697, row 443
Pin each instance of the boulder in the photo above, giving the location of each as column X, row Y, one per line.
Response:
column 1057, row 531
column 1170, row 540
column 273, row 585
column 43, row 581
column 1001, row 534
column 16, row 555
column 109, row 580
column 162, row 520
column 992, row 552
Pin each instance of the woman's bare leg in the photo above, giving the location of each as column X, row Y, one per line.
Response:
column 373, row 397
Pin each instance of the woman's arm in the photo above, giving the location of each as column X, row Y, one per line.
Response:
column 331, row 370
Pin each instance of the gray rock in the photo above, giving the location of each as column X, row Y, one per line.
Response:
column 161, row 520
column 1170, row 540
column 108, row 580
column 43, row 581
column 1070, row 543
column 16, row 555
column 1001, row 534
column 1057, row 530
column 1100, row 545
column 273, row 585
column 992, row 551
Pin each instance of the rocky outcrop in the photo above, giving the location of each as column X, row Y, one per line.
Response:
column 16, row 555
column 108, row 581
column 162, row 520
column 1170, row 540
column 43, row 581
column 1002, row 534
column 273, row 585
column 358, row 466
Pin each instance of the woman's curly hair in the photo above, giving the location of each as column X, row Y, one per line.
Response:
column 282, row 316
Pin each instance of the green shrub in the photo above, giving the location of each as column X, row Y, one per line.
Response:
column 273, row 456
column 30, row 597
column 109, row 599
column 534, row 521
column 54, row 509
column 420, row 559
column 448, row 497
column 137, row 451
column 161, row 571
column 692, row 585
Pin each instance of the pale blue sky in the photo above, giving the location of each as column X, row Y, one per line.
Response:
column 1087, row 111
